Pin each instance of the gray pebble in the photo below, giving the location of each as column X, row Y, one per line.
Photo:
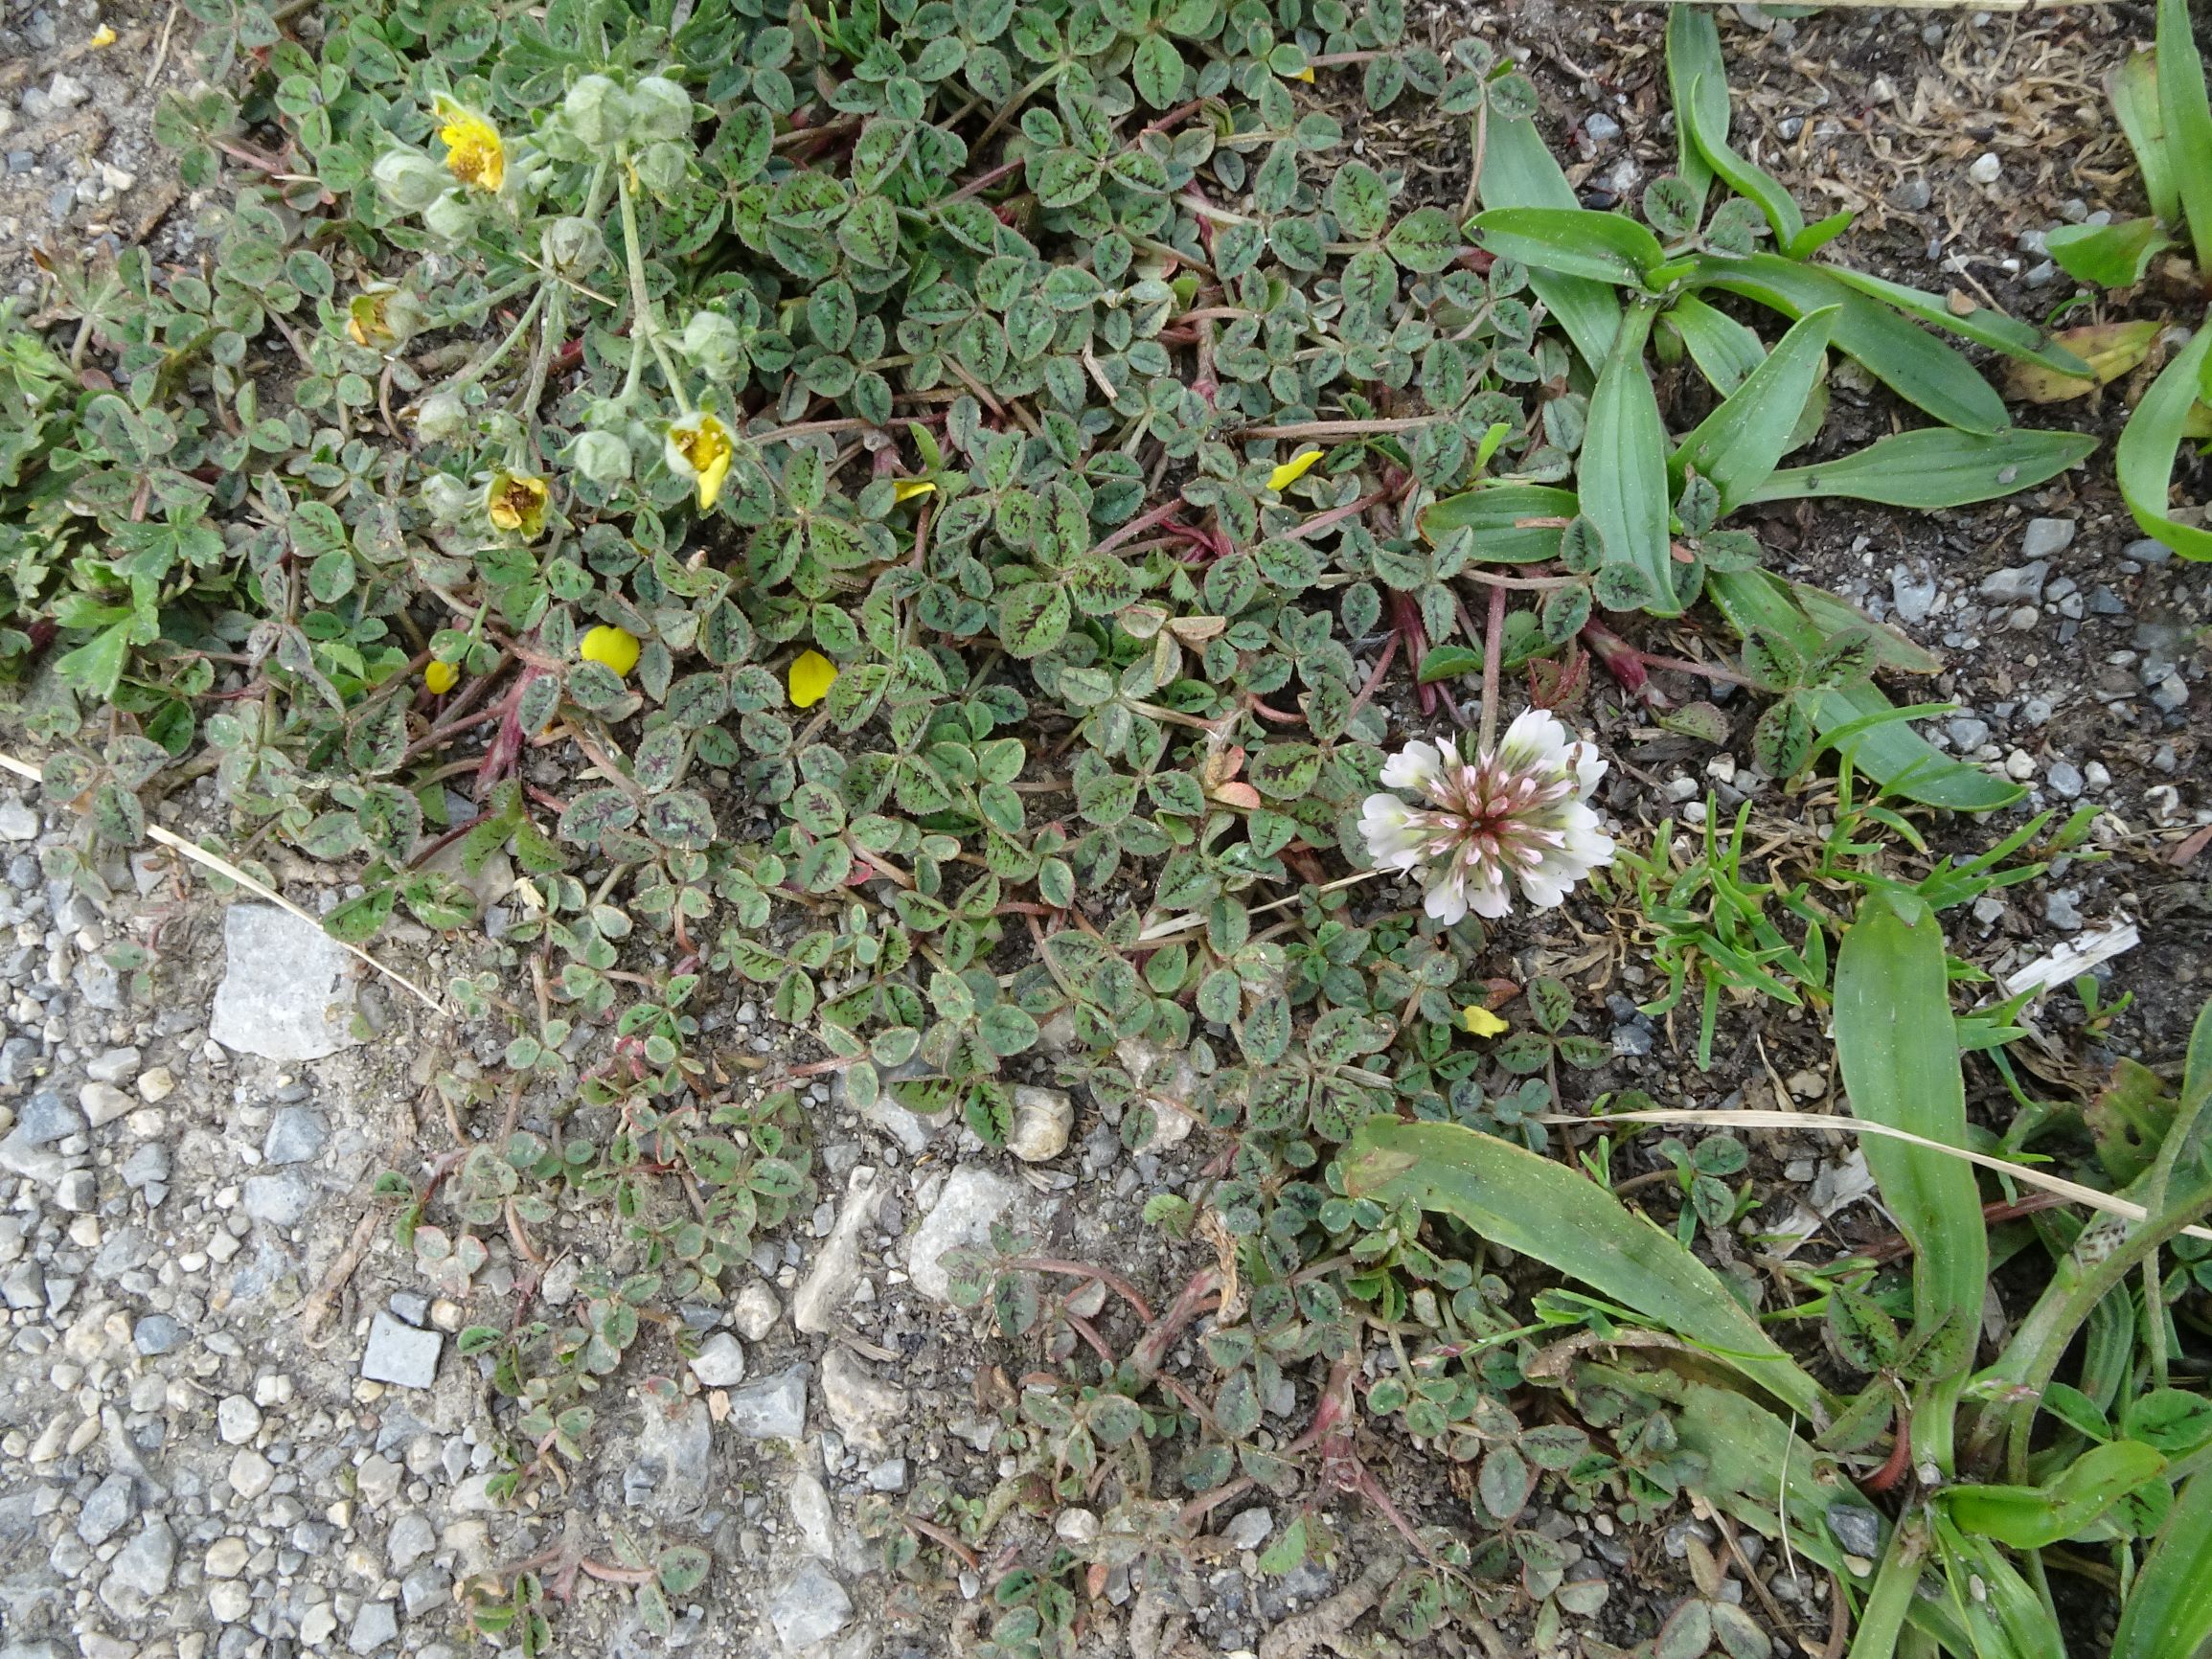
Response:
column 109, row 1509
column 157, row 1333
column 2064, row 779
column 279, row 1200
column 48, row 1118
column 296, row 1134
column 399, row 1355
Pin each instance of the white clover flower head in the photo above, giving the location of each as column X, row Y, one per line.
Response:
column 1517, row 813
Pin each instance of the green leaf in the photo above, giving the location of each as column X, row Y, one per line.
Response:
column 1536, row 1207
column 2169, row 1610
column 1700, row 85
column 2113, row 256
column 2133, row 86
column 1424, row 241
column 1574, row 241
column 1897, row 1046
column 2032, row 1517
column 1916, row 366
column 1519, row 172
column 1738, row 445
column 1497, row 515
column 2152, row 439
column 1935, row 468
column 1980, row 325
column 1624, row 467
column 2187, row 105
column 1724, row 350
column 1889, row 751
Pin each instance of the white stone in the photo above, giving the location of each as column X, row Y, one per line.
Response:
column 1043, row 1120
column 721, row 1361
column 865, row 1408
column 755, row 1311
column 238, row 1420
column 284, row 994
column 972, row 1199
column 828, row 1286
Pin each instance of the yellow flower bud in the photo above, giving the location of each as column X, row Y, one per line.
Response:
column 811, row 678
column 1293, row 469
column 1482, row 1021
column 907, row 488
column 440, row 678
column 516, row 503
column 613, row 648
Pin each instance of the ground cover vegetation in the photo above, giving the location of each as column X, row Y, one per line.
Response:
column 969, row 487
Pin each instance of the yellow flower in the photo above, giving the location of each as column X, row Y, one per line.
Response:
column 1293, row 469
column 366, row 321
column 699, row 447
column 811, row 676
column 440, row 678
column 613, row 648
column 907, row 488
column 474, row 153
column 1482, row 1021
column 516, row 503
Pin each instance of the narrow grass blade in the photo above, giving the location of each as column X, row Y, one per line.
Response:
column 1890, row 752
column 1498, row 513
column 1532, row 1205
column 2169, row 1611
column 1624, row 467
column 1915, row 365
column 1517, row 171
column 1934, row 468
column 1981, row 325
column 2187, row 109
column 2133, row 86
column 1898, row 1048
column 1739, row 443
column 2152, row 439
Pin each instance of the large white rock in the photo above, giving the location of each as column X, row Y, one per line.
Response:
column 284, row 994
column 972, row 1199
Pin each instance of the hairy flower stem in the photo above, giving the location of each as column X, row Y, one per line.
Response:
column 1493, row 648
column 646, row 319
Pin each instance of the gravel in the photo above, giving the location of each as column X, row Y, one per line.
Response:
column 399, row 1355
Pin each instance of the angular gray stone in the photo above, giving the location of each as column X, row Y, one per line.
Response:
column 821, row 1298
column 411, row 1538
column 140, row 1571
column 807, row 1606
column 2017, row 585
column 279, row 1200
column 48, row 1118
column 109, row 1508
column 158, row 1333
column 373, row 1626
column 285, row 993
column 2064, row 779
column 865, row 1408
column 105, row 1102
column 2046, row 537
column 1968, row 733
column 1913, row 595
column 755, row 1311
column 773, row 1408
column 669, row 1471
column 972, row 1199
column 401, row 1354
column 296, row 1134
column 20, row 1157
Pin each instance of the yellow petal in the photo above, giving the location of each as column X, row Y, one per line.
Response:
column 1306, row 75
column 440, row 678
column 103, row 35
column 811, row 676
column 907, row 488
column 711, row 478
column 1482, row 1021
column 611, row 646
column 1293, row 469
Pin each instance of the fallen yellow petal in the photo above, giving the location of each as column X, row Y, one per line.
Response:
column 811, row 678
column 613, row 648
column 907, row 488
column 102, row 35
column 440, row 678
column 1305, row 74
column 1482, row 1021
column 1292, row 469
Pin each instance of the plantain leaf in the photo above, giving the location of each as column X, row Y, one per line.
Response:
column 1935, row 468
column 2113, row 256
column 1497, row 515
column 1518, row 171
column 2187, row 105
column 1739, row 444
column 1724, row 350
column 1529, row 1204
column 2169, row 1610
column 1574, row 241
column 1624, row 467
column 1915, row 365
column 2133, row 86
column 2144, row 459
column 1980, row 324
column 1700, row 88
column 2031, row 1517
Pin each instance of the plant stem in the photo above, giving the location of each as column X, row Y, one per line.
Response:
column 1492, row 648
column 1340, row 429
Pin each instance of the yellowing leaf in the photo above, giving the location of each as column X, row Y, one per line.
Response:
column 907, row 488
column 1482, row 1021
column 613, row 648
column 2110, row 349
column 1293, row 469
column 811, row 678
